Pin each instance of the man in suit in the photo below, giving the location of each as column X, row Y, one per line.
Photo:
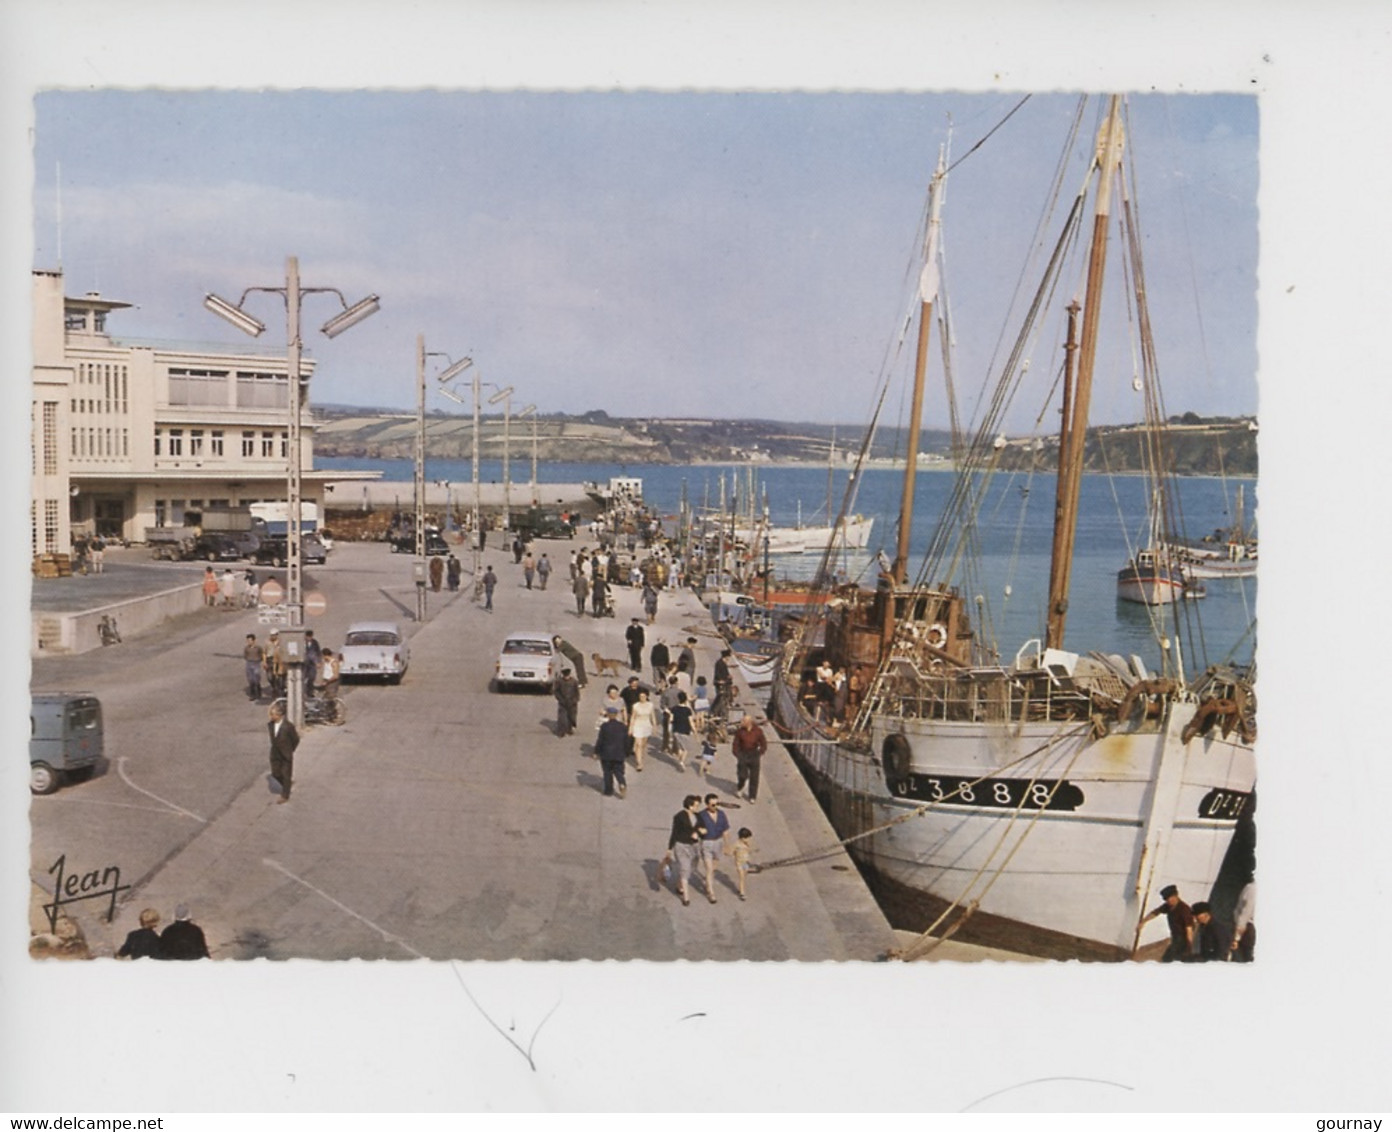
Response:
column 284, row 740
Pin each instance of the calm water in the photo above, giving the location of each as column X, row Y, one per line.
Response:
column 1015, row 530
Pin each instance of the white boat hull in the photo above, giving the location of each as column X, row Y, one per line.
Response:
column 854, row 534
column 1135, row 810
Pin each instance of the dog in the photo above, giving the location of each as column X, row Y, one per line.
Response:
column 603, row 664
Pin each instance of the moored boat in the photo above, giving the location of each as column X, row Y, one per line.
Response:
column 1040, row 803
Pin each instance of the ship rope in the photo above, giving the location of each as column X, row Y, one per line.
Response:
column 832, row 848
column 927, row 941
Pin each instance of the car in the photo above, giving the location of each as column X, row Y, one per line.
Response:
column 374, row 649
column 536, row 522
column 65, row 739
column 212, row 547
column 326, row 537
column 434, row 543
column 527, row 659
column 271, row 550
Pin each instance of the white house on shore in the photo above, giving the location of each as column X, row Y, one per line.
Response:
column 129, row 434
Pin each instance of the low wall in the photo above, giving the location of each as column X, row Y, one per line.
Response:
column 78, row 632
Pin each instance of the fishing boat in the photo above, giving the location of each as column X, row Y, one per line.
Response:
column 1155, row 575
column 852, row 533
column 1035, row 802
column 1230, row 553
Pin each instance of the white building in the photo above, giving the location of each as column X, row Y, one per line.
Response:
column 128, row 435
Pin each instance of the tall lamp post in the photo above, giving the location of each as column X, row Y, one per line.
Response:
column 530, row 411
column 505, row 396
column 453, row 371
column 296, row 394
column 475, row 533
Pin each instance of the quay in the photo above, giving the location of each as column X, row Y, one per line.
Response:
column 443, row 820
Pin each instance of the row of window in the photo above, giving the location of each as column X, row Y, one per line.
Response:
column 50, row 526
column 197, row 442
column 101, row 387
column 97, row 442
column 171, row 512
column 252, row 389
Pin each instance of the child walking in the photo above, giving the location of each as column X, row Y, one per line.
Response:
column 741, row 851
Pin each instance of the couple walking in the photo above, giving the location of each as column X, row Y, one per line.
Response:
column 704, row 833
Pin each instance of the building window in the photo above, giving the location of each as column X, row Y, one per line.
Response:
column 159, row 442
column 284, row 445
column 248, row 445
column 262, row 390
column 161, row 513
column 51, row 526
column 195, row 442
column 268, row 444
column 215, row 442
column 176, row 442
column 50, row 438
column 197, row 386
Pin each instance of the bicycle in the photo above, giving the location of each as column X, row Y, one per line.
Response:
column 325, row 709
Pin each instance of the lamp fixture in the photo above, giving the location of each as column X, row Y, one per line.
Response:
column 454, row 370
column 351, row 317
column 506, row 391
column 234, row 314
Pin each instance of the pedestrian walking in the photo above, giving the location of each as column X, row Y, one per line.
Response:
column 567, row 693
column 634, row 636
column 453, row 570
column 741, row 851
column 574, row 565
column 610, row 746
column 528, row 568
column 490, row 582
column 724, row 687
column 715, row 836
column 581, row 589
column 572, row 654
column 700, row 706
column 98, row 556
column 681, row 729
column 684, row 842
column 227, row 587
column 666, row 701
column 543, row 569
column 329, row 670
column 314, row 654
column 650, row 602
column 437, row 573
column 642, row 723
column 516, row 549
column 1207, row 946
column 599, row 589
column 284, row 740
column 183, row 939
column 253, row 656
column 659, row 657
column 1181, row 921
column 1244, row 935
column 210, row 586
column 144, row 942
column 687, row 657
column 748, row 746
column 273, row 663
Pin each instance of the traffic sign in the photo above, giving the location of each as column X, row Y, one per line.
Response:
column 272, row 615
column 315, row 604
column 272, row 592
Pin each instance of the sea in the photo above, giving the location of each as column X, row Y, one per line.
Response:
column 1009, row 584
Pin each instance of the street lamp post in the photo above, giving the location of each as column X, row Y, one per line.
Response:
column 505, row 396
column 530, row 411
column 296, row 393
column 454, row 370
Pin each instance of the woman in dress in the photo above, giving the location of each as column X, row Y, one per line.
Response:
column 642, row 723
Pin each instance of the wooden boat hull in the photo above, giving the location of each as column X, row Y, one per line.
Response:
column 1070, row 878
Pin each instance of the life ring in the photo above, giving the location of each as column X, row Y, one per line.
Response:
column 937, row 635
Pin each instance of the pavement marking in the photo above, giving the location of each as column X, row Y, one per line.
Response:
column 386, row 935
column 121, row 769
column 118, row 805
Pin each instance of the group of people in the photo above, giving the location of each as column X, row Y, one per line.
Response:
column 445, row 570
column 832, row 694
column 183, row 939
column 1195, row 936
column 703, row 831
column 267, row 664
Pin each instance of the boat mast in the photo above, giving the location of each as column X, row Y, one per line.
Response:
column 1107, row 161
column 927, row 293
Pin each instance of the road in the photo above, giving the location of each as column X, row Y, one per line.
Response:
column 443, row 820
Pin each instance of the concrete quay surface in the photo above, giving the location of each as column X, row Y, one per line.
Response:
column 443, row 820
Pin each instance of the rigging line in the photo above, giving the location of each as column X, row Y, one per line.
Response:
column 986, row 137
column 920, row 811
column 913, row 950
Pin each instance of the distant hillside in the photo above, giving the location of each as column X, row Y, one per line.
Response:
column 1199, row 446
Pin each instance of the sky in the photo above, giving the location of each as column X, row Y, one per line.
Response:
column 724, row 254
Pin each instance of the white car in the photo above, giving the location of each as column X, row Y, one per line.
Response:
column 527, row 659
column 374, row 648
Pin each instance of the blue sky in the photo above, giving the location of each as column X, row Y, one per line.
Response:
column 707, row 254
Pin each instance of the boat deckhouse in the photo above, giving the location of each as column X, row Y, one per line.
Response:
column 128, row 435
